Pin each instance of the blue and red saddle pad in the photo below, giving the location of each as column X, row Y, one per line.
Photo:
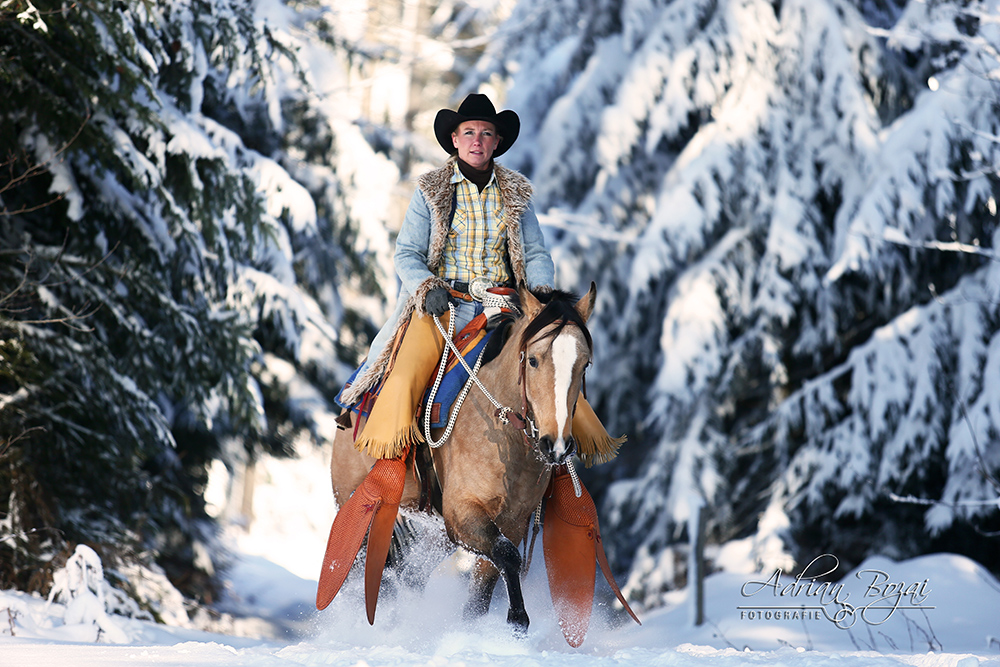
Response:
column 471, row 341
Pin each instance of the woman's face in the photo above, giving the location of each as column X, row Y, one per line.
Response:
column 476, row 140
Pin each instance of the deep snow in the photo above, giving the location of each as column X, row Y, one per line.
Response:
column 954, row 622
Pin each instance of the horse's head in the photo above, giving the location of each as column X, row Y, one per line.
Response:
column 556, row 349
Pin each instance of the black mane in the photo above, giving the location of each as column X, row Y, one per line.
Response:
column 559, row 307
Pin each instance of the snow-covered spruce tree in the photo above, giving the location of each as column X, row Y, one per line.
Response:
column 910, row 418
column 736, row 175
column 165, row 281
column 319, row 290
column 116, row 272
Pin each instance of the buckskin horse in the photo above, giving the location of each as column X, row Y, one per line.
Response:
column 492, row 476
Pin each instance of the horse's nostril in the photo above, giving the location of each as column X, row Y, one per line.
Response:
column 570, row 447
column 547, row 447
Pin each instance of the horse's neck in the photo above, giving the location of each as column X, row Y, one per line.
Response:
column 523, row 474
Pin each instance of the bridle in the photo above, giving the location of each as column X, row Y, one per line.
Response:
column 521, row 420
column 504, row 414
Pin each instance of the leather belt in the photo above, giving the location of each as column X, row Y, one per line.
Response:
column 474, row 291
column 459, row 286
column 464, row 296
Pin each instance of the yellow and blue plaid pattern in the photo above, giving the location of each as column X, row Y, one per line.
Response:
column 477, row 241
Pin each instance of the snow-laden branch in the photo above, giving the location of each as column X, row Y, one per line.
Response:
column 30, row 15
column 896, row 237
column 7, row 399
column 913, row 500
column 585, row 225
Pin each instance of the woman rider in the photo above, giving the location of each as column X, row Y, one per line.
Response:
column 469, row 222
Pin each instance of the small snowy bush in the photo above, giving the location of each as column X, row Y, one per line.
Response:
column 82, row 588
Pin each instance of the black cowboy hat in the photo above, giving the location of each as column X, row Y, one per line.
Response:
column 477, row 107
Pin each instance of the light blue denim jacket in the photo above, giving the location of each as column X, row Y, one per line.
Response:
column 420, row 246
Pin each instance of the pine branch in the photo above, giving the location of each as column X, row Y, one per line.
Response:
column 69, row 317
column 894, row 236
column 980, row 459
column 17, row 179
column 20, row 394
column 586, row 226
column 913, row 500
column 9, row 11
column 983, row 470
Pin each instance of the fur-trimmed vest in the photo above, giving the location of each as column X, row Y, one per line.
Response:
column 438, row 192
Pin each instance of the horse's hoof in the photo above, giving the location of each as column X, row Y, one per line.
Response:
column 518, row 619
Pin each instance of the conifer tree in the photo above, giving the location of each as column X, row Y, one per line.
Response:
column 167, row 286
column 770, row 197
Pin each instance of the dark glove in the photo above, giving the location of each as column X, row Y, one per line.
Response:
column 436, row 302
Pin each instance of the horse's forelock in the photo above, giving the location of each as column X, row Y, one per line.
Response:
column 559, row 309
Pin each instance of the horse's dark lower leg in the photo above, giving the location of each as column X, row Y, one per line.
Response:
column 508, row 561
column 503, row 554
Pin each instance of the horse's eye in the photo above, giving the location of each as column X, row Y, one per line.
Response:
column 533, row 362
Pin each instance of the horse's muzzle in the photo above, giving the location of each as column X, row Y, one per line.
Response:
column 556, row 452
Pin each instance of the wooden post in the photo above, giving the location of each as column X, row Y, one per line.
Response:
column 696, row 563
column 249, row 481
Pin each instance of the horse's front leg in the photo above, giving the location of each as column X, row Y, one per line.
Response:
column 476, row 531
column 484, row 581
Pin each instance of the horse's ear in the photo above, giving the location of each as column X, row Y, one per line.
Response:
column 530, row 305
column 585, row 306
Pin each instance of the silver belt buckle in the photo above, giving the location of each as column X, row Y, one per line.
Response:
column 478, row 287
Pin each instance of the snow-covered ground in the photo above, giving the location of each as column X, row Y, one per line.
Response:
column 951, row 619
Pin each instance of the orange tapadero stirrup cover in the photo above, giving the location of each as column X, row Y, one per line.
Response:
column 571, row 542
column 373, row 504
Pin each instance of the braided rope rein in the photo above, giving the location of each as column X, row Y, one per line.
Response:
column 473, row 379
column 503, row 412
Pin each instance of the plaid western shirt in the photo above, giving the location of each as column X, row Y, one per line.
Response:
column 477, row 240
